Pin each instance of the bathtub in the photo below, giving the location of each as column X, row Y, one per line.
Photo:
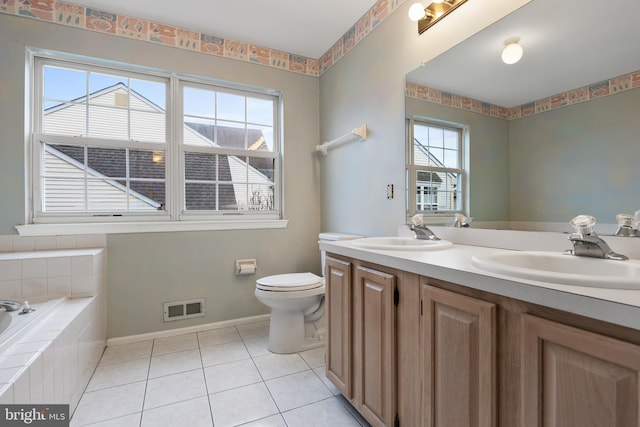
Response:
column 48, row 355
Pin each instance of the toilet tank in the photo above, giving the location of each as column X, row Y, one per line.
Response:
column 333, row 237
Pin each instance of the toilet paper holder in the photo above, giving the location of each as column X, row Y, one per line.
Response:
column 246, row 267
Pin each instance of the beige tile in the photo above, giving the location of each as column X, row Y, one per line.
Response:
column 192, row 413
column 293, row 391
column 223, row 353
column 109, row 403
column 174, row 388
column 241, row 405
column 172, row 363
column 173, row 344
column 119, row 374
column 126, row 352
column 231, row 375
column 276, row 365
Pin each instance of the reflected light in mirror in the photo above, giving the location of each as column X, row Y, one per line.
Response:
column 512, row 51
column 416, row 11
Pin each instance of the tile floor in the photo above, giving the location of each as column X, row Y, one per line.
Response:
column 220, row 377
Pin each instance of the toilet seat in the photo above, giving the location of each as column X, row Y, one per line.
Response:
column 289, row 282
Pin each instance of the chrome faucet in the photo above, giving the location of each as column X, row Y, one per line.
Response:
column 460, row 221
column 626, row 224
column 422, row 231
column 587, row 243
column 10, row 305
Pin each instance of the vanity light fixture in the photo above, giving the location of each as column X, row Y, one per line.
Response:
column 435, row 10
column 512, row 51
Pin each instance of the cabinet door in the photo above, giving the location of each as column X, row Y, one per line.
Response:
column 376, row 323
column 577, row 378
column 459, row 350
column 339, row 321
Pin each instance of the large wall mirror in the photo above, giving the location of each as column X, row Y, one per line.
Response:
column 554, row 135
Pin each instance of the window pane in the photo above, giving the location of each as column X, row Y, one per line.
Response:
column 107, row 162
column 64, row 85
column 261, row 170
column 199, row 132
column 231, row 135
column 148, row 195
column 232, row 196
column 200, row 196
column 260, row 138
column 66, row 119
column 148, row 126
column 436, row 146
column 106, row 195
column 147, row 164
column 101, row 84
column 231, row 107
column 261, row 197
column 63, row 194
column 438, row 191
column 108, row 122
column 199, row 102
column 153, row 92
column 200, row 166
column 260, row 111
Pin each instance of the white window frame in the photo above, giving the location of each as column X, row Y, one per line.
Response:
column 411, row 170
column 174, row 218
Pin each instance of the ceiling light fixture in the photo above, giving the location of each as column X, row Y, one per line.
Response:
column 512, row 51
column 434, row 10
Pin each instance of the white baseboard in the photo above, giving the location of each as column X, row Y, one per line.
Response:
column 187, row 330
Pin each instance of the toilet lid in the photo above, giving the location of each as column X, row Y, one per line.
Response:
column 289, row 282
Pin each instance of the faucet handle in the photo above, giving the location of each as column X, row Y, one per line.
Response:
column 583, row 224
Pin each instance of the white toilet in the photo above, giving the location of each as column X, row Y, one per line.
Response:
column 297, row 306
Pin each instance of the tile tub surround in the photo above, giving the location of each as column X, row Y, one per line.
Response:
column 224, row 376
column 52, row 359
column 51, row 273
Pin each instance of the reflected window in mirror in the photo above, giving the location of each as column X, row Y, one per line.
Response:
column 435, row 174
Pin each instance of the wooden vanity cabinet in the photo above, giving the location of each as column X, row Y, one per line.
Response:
column 458, row 348
column 572, row 377
column 415, row 351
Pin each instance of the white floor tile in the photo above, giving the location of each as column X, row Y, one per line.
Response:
column 174, row 388
column 242, row 405
column 172, row 363
column 328, row 412
column 173, row 344
column 223, row 353
column 218, row 336
column 314, row 357
column 293, row 391
column 132, row 420
column 231, row 375
column 126, row 352
column 276, row 365
column 257, row 346
column 254, row 330
column 109, row 403
column 321, row 373
column 192, row 413
column 272, row 421
column 119, row 374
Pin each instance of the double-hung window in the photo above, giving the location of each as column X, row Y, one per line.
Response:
column 115, row 143
column 435, row 174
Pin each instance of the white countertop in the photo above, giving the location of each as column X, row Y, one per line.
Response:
column 618, row 306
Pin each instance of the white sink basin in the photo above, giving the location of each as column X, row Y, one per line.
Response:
column 556, row 267
column 400, row 244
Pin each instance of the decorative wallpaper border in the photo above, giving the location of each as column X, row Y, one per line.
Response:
column 86, row 18
column 586, row 93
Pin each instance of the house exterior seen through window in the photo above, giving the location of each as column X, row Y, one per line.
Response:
column 435, row 173
column 112, row 142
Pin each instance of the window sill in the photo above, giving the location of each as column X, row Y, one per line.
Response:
column 145, row 227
